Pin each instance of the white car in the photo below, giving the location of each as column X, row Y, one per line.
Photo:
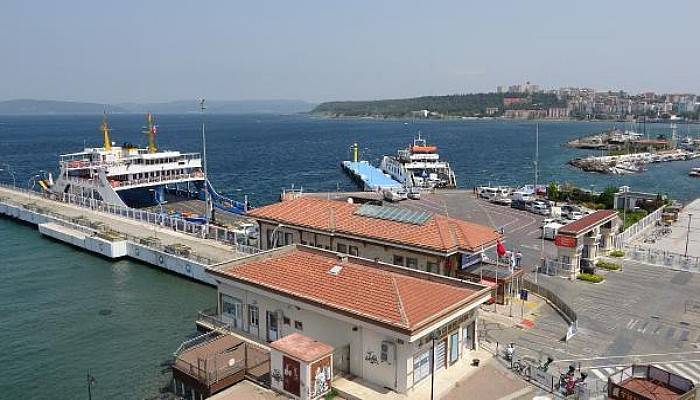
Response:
column 575, row 215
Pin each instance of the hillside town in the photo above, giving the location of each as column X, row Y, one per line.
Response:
column 589, row 103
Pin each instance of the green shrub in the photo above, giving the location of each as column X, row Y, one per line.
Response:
column 331, row 395
column 610, row 266
column 617, row 253
column 590, row 278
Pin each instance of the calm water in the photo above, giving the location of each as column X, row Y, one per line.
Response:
column 64, row 312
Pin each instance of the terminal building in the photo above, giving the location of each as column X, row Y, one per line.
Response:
column 414, row 239
column 580, row 243
column 388, row 325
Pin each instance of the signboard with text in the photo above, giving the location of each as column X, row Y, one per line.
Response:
column 565, row 241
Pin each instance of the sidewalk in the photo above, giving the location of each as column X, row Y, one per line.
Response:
column 445, row 381
column 519, row 314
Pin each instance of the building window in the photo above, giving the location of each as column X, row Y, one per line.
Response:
column 298, row 325
column 421, row 366
column 432, row 267
column 288, row 238
column 398, row 260
column 454, row 347
column 286, row 321
column 253, row 320
column 342, row 248
column 353, row 251
column 412, row 262
column 232, row 308
column 270, row 232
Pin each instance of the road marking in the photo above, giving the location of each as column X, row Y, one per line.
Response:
column 689, row 372
column 599, row 374
column 610, row 371
column 671, row 367
column 643, row 328
column 632, row 323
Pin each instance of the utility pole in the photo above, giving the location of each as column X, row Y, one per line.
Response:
column 537, row 153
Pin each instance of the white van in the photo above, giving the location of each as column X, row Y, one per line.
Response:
column 549, row 231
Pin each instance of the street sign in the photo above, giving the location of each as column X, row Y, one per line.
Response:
column 523, row 294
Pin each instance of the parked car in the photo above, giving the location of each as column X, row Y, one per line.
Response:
column 505, row 201
column 414, row 193
column 518, row 204
column 540, row 209
column 575, row 215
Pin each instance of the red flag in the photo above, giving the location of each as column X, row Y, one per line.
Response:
column 500, row 249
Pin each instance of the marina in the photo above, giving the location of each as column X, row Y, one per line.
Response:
column 630, row 163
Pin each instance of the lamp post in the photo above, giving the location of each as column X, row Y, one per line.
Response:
column 433, row 335
column 8, row 169
column 160, row 204
column 687, row 235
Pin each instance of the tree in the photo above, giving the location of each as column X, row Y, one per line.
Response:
column 553, row 191
column 608, row 196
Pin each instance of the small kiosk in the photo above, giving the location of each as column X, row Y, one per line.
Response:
column 301, row 367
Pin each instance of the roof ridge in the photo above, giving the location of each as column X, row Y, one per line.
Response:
column 402, row 311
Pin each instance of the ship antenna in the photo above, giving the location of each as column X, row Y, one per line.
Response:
column 105, row 132
column 207, row 195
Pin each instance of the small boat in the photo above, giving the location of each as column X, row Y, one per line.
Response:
column 695, row 172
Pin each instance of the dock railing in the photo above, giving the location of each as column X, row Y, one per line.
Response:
column 214, row 232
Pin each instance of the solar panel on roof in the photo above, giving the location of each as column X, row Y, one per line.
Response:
column 393, row 214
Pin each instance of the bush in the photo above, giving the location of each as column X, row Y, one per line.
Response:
column 331, row 395
column 590, row 278
column 610, row 266
column 617, row 253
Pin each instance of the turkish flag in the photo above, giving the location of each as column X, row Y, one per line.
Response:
column 500, row 249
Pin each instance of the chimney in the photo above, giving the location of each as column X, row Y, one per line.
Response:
column 331, row 219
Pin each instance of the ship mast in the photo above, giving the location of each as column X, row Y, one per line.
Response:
column 105, row 132
column 151, row 129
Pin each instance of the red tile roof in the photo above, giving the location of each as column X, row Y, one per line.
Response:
column 439, row 233
column 302, row 347
column 400, row 299
column 587, row 222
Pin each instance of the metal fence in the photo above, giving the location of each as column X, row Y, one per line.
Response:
column 663, row 258
column 640, row 226
column 217, row 233
column 554, row 299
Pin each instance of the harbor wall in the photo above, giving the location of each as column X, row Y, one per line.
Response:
column 86, row 239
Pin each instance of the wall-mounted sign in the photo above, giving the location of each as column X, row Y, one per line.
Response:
column 565, row 241
column 470, row 259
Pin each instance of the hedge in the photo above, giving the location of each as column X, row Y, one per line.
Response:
column 617, row 253
column 590, row 278
column 610, row 266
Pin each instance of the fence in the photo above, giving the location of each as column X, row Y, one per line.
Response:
column 217, row 233
column 640, row 226
column 663, row 258
column 556, row 301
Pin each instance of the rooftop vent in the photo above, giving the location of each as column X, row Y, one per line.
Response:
column 335, row 271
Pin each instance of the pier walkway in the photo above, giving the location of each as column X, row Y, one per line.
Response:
column 162, row 246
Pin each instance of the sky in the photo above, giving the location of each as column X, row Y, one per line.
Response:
column 143, row 51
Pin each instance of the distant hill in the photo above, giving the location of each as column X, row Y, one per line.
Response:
column 450, row 105
column 35, row 107
column 223, row 107
column 49, row 107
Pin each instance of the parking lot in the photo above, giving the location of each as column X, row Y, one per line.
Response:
column 522, row 229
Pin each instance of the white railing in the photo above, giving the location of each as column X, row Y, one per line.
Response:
column 203, row 231
column 634, row 230
column 156, row 179
column 663, row 258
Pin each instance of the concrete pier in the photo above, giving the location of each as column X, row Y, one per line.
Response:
column 115, row 236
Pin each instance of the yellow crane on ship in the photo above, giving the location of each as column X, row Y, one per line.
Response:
column 150, row 130
column 105, row 132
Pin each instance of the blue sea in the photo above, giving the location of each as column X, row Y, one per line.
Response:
column 64, row 312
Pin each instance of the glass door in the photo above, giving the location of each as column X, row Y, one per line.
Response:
column 272, row 326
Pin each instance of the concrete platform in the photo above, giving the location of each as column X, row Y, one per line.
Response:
column 676, row 240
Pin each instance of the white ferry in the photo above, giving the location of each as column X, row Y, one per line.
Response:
column 420, row 166
column 128, row 175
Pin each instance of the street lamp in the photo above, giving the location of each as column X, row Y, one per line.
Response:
column 433, row 336
column 8, row 169
column 160, row 204
column 687, row 235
